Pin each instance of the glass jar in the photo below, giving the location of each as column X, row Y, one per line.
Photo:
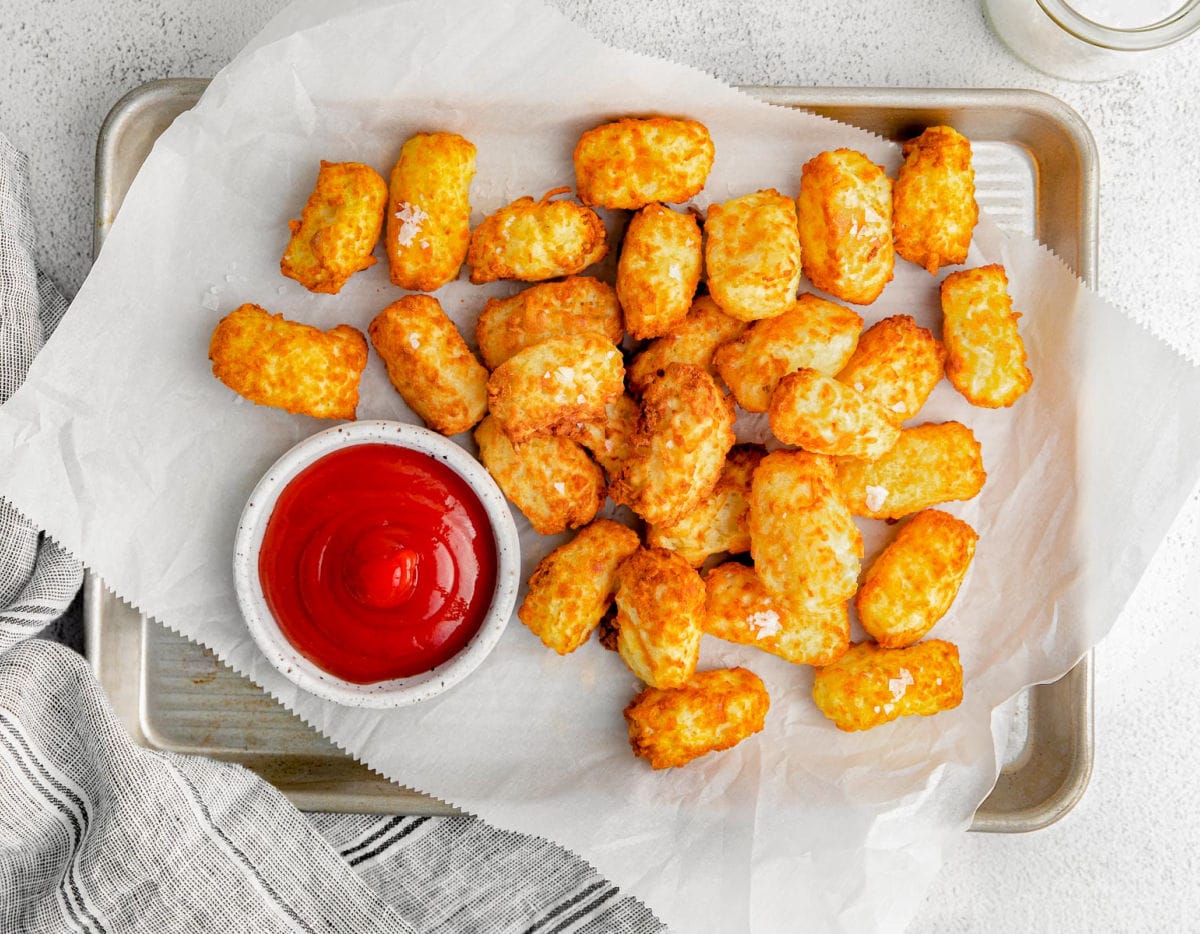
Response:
column 1090, row 40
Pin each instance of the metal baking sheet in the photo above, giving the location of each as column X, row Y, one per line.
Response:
column 1036, row 172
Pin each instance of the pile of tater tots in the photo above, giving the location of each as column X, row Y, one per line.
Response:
column 583, row 390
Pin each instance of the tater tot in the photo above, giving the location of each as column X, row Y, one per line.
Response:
column 714, row 710
column 338, row 227
column 679, row 446
column 631, row 163
column 985, row 356
column 897, row 364
column 752, row 255
column 933, row 206
column 549, row 309
column 912, row 583
column 572, row 587
column 739, row 608
column 429, row 215
column 272, row 361
column 718, row 523
column 535, row 240
column 846, row 225
column 871, row 685
column 693, row 340
column 929, row 464
column 550, row 479
column 827, row 417
column 659, row 270
column 430, row 364
column 660, row 611
column 555, row 384
column 813, row 333
column 806, row 548
column 610, row 439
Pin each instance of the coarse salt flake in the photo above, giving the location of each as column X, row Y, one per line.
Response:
column 580, row 399
column 899, row 685
column 560, row 489
column 210, row 301
column 900, row 407
column 411, row 217
column 859, row 387
column 565, row 374
column 414, row 341
column 765, row 623
column 876, row 497
column 675, row 272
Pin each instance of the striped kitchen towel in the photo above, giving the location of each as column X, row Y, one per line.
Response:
column 37, row 578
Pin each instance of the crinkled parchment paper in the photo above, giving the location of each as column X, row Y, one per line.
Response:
column 123, row 446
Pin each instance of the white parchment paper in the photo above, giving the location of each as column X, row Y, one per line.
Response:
column 123, row 446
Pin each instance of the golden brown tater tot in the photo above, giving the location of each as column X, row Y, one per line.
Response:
column 912, row 583
column 714, row 710
column 338, row 227
column 572, row 587
column 272, row 361
column 429, row 216
column 430, row 364
column 985, row 356
column 535, row 240
column 679, row 446
column 846, row 225
column 752, row 255
column 806, row 548
column 633, row 162
column 933, row 206
column 659, row 270
column 550, row 479
column 660, row 610
column 870, row 685
column 929, row 464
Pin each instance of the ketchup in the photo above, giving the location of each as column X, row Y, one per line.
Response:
column 378, row 562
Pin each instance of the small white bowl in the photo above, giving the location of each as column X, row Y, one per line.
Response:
column 397, row 692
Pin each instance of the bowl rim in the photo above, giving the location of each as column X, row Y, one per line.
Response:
column 283, row 656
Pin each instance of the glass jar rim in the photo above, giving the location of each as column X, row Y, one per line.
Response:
column 1171, row 28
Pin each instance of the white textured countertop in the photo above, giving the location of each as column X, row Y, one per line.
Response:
column 1125, row 858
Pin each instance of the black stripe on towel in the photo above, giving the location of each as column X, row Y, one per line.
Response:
column 7, row 739
column 388, row 825
column 250, row 868
column 563, row 906
column 404, row 832
column 584, row 911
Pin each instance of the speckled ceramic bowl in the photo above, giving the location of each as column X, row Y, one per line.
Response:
column 283, row 655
